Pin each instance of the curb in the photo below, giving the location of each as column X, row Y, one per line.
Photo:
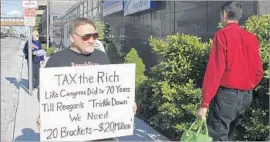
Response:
column 18, row 93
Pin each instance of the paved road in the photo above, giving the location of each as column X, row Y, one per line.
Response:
column 11, row 68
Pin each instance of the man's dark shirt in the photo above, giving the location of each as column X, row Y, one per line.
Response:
column 68, row 57
column 234, row 62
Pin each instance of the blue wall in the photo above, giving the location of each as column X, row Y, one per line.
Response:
column 110, row 7
column 107, row 4
column 135, row 6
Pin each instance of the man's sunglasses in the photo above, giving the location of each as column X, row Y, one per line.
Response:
column 88, row 36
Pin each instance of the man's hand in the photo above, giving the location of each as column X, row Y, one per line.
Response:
column 38, row 122
column 134, row 108
column 202, row 113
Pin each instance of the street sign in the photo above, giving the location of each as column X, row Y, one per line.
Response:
column 30, row 21
column 30, row 12
column 30, row 4
column 30, row 17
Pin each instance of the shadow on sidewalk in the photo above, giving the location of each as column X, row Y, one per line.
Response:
column 142, row 132
column 138, row 135
column 28, row 135
column 23, row 83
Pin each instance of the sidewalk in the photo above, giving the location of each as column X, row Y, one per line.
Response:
column 11, row 70
column 28, row 110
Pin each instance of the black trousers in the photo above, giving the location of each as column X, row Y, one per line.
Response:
column 35, row 73
column 226, row 112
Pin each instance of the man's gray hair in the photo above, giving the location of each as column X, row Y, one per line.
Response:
column 78, row 22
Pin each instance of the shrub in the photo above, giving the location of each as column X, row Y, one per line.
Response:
column 110, row 48
column 49, row 51
column 144, row 99
column 169, row 98
column 173, row 92
column 44, row 46
column 113, row 54
column 133, row 57
column 38, row 24
column 100, row 29
column 256, row 121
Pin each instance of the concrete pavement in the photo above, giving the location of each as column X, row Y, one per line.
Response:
column 143, row 132
column 28, row 110
column 11, row 68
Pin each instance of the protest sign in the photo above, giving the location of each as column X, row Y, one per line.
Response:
column 87, row 102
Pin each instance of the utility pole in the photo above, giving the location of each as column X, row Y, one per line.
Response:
column 48, row 23
column 30, row 63
column 29, row 21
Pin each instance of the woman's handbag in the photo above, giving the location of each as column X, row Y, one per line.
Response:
column 199, row 136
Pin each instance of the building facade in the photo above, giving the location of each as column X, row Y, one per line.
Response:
column 134, row 21
column 55, row 10
column 84, row 8
column 137, row 20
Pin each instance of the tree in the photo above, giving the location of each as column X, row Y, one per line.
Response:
column 100, row 28
column 38, row 24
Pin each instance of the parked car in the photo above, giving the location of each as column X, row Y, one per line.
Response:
column 3, row 35
column 22, row 36
column 12, row 35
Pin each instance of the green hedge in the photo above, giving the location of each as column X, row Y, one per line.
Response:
column 100, row 28
column 49, row 51
column 111, row 49
column 256, row 121
column 169, row 98
column 114, row 54
column 133, row 57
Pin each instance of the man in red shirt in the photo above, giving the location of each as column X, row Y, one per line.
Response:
column 234, row 69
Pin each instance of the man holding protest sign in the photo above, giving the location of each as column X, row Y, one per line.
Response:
column 83, row 36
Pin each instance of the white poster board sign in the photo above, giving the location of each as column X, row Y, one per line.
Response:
column 87, row 102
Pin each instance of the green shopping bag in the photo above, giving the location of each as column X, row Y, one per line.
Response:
column 199, row 136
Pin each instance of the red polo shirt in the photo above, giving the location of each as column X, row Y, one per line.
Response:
column 234, row 62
